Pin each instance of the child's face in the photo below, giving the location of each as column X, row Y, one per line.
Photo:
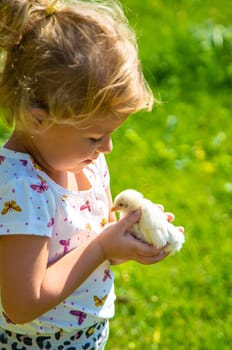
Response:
column 66, row 148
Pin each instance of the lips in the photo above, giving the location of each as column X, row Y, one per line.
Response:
column 88, row 161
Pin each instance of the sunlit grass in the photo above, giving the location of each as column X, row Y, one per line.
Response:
column 180, row 155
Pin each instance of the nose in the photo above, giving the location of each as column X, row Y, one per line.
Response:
column 106, row 145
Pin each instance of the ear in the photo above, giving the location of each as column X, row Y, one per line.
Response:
column 39, row 114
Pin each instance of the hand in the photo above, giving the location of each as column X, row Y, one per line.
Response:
column 118, row 245
column 170, row 217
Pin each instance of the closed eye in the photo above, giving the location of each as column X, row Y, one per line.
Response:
column 95, row 140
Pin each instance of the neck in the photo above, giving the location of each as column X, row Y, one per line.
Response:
column 17, row 142
column 22, row 142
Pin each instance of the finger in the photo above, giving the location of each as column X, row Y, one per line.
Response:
column 129, row 220
column 149, row 260
column 147, row 250
column 160, row 206
column 161, row 256
column 170, row 216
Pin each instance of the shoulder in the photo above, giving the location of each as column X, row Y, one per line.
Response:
column 25, row 196
column 26, row 206
column 15, row 164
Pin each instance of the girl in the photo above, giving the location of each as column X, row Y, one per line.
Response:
column 71, row 78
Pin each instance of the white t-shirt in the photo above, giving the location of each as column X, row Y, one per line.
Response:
column 32, row 203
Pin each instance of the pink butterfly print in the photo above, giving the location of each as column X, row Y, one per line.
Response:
column 65, row 243
column 81, row 316
column 107, row 274
column 106, row 172
column 2, row 158
column 42, row 187
column 51, row 222
column 86, row 206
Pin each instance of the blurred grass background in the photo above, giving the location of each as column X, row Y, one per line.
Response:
column 179, row 155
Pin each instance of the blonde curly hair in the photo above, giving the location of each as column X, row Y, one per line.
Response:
column 76, row 61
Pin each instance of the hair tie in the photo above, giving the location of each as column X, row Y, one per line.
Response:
column 50, row 9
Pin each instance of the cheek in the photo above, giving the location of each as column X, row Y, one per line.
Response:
column 66, row 154
column 82, row 152
column 61, row 158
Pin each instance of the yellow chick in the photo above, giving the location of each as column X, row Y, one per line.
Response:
column 153, row 226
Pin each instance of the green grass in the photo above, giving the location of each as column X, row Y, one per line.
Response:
column 180, row 155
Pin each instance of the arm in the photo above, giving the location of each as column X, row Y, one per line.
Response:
column 24, row 274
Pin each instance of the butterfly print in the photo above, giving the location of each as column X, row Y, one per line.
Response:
column 86, row 206
column 88, row 227
column 65, row 243
column 63, row 198
column 51, row 222
column 106, row 172
column 35, row 165
column 23, row 162
column 2, row 158
column 103, row 222
column 81, row 316
column 99, row 301
column 10, row 206
column 42, row 187
column 107, row 275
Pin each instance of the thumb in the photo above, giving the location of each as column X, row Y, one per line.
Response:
column 127, row 221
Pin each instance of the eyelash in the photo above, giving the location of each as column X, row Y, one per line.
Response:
column 95, row 140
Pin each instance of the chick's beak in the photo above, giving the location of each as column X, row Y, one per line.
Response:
column 115, row 208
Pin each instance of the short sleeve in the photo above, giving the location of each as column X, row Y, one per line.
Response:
column 27, row 206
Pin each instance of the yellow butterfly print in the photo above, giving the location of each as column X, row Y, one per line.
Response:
column 88, row 227
column 35, row 165
column 103, row 222
column 9, row 206
column 63, row 198
column 99, row 301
